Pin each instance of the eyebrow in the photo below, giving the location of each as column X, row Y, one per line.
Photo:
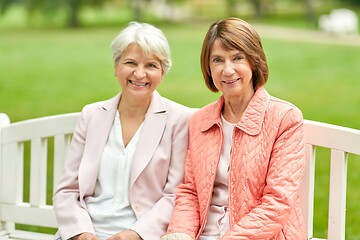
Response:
column 126, row 59
column 234, row 54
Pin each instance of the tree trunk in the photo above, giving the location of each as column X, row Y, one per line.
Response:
column 137, row 5
column 257, row 8
column 231, row 8
column 74, row 10
column 309, row 10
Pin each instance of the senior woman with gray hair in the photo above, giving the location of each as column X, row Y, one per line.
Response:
column 127, row 154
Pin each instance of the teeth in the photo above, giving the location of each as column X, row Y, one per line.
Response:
column 230, row 82
column 138, row 83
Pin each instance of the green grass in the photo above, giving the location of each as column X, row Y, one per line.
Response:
column 45, row 72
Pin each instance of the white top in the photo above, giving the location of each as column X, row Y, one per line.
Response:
column 217, row 223
column 109, row 207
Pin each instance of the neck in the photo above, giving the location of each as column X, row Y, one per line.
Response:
column 133, row 107
column 235, row 106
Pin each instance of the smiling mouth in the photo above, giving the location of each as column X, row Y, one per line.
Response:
column 141, row 84
column 231, row 81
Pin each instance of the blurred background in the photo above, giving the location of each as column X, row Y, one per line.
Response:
column 55, row 58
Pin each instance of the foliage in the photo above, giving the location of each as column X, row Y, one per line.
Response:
column 48, row 7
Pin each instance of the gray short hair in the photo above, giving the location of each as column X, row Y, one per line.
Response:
column 151, row 40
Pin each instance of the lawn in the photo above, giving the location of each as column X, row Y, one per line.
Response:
column 46, row 71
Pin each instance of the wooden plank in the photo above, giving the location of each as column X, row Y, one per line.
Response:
column 337, row 195
column 24, row 213
column 61, row 148
column 332, row 136
column 12, row 173
column 26, row 235
column 307, row 190
column 38, row 171
column 4, row 121
column 40, row 128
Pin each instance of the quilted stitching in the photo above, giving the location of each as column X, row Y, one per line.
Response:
column 266, row 169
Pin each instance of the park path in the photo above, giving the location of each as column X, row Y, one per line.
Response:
column 293, row 34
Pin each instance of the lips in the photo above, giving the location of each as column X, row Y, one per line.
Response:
column 140, row 84
column 231, row 81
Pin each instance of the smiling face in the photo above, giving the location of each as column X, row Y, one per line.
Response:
column 230, row 71
column 138, row 74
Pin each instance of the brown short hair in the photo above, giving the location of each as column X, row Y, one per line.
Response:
column 235, row 33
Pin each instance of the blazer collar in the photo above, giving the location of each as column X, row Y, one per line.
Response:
column 251, row 120
column 157, row 105
column 111, row 104
column 152, row 131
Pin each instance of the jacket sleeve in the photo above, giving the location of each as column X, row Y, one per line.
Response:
column 186, row 216
column 283, row 180
column 154, row 223
column 72, row 217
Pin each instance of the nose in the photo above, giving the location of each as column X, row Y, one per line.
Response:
column 228, row 68
column 139, row 72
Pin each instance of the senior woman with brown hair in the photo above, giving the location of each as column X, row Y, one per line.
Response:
column 127, row 154
column 246, row 151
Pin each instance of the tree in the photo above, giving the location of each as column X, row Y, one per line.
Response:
column 72, row 7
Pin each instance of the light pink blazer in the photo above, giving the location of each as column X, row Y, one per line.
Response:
column 157, row 167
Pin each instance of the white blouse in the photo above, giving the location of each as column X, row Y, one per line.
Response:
column 217, row 222
column 109, row 207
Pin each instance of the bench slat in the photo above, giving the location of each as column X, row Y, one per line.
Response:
column 26, row 235
column 40, row 128
column 12, row 173
column 38, row 171
column 332, row 136
column 61, row 147
column 337, row 195
column 307, row 190
column 25, row 214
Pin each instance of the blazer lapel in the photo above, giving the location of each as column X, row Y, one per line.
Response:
column 154, row 125
column 97, row 134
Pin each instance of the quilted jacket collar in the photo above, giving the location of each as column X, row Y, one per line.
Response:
column 251, row 120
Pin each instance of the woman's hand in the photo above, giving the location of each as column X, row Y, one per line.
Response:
column 85, row 236
column 126, row 235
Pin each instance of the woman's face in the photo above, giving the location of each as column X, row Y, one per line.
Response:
column 230, row 70
column 138, row 74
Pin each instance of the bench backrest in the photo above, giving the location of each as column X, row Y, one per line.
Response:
column 36, row 133
column 341, row 141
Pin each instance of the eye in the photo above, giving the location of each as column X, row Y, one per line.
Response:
column 238, row 58
column 152, row 65
column 216, row 60
column 129, row 62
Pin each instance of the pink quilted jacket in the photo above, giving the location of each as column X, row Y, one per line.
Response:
column 266, row 169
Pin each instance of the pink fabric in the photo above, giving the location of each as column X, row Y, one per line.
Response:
column 217, row 223
column 266, row 169
column 157, row 167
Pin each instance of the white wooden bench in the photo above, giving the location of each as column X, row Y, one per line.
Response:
column 30, row 138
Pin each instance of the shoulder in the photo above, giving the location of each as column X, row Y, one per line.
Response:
column 177, row 110
column 207, row 112
column 283, row 114
column 108, row 104
column 283, row 108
